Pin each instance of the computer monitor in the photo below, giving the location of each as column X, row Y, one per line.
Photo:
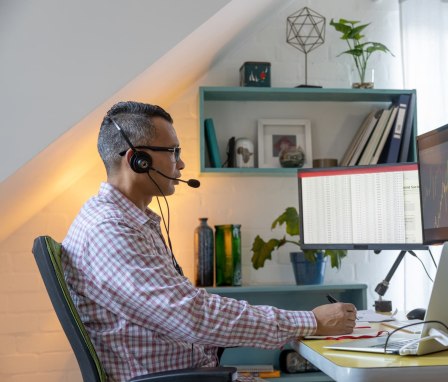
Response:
column 432, row 150
column 360, row 207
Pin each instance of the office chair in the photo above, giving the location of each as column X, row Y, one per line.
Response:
column 47, row 253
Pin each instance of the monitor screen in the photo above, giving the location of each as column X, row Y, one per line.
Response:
column 360, row 207
column 432, row 149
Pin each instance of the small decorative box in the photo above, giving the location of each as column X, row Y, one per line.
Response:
column 255, row 74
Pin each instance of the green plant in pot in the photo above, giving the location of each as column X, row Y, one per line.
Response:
column 359, row 49
column 262, row 250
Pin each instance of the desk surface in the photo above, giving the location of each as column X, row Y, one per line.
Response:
column 357, row 366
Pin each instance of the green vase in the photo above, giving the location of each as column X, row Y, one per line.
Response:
column 228, row 254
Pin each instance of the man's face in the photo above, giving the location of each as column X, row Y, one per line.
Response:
column 165, row 161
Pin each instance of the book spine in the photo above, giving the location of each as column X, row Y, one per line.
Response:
column 397, row 132
column 347, row 157
column 407, row 130
column 212, row 143
column 363, row 141
column 382, row 143
column 374, row 138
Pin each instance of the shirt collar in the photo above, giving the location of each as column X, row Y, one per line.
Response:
column 109, row 192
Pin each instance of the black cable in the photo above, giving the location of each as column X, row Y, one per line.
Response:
column 167, row 226
column 423, row 265
column 408, row 325
column 432, row 257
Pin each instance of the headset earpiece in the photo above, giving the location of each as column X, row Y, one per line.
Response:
column 140, row 162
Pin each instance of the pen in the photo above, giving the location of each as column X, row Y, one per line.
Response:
column 333, row 300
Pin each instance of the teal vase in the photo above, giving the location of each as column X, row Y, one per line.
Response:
column 203, row 252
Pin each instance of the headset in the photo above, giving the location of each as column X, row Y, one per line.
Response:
column 141, row 161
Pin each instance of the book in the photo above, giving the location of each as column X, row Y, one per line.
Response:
column 375, row 137
column 396, row 134
column 386, row 132
column 407, row 132
column 211, row 143
column 345, row 160
column 365, row 137
column 257, row 370
column 260, row 374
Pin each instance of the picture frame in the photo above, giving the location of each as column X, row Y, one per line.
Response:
column 275, row 133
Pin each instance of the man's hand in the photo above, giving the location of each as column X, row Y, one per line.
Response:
column 334, row 319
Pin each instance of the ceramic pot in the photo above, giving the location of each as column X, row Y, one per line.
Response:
column 244, row 153
column 308, row 272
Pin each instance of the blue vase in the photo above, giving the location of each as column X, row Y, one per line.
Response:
column 203, row 253
column 308, row 272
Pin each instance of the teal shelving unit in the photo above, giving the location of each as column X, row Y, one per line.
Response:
column 335, row 116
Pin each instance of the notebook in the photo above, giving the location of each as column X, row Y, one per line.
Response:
column 421, row 344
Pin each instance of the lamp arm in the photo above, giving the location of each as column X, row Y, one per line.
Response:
column 382, row 287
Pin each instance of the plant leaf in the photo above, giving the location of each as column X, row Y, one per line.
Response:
column 291, row 218
column 336, row 256
column 353, row 52
column 262, row 250
column 310, row 254
column 378, row 47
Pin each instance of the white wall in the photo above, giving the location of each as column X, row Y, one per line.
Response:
column 32, row 344
column 61, row 59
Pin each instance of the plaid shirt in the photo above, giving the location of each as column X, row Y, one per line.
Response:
column 142, row 316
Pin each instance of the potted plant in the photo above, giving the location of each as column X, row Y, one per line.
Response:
column 360, row 50
column 262, row 250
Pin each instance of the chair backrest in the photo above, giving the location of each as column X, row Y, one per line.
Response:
column 47, row 253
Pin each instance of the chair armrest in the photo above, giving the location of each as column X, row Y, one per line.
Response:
column 205, row 374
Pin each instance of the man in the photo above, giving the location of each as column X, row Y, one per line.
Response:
column 142, row 314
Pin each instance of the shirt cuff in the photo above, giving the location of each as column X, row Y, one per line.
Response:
column 307, row 325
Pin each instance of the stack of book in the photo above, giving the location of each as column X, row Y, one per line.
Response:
column 260, row 371
column 384, row 136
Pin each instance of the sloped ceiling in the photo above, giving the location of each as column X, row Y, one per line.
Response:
column 61, row 59
column 62, row 162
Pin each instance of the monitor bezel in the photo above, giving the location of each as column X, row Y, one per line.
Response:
column 426, row 140
column 352, row 246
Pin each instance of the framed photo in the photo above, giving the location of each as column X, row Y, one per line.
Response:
column 274, row 135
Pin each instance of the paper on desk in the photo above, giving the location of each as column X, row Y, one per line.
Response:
column 371, row 316
column 361, row 332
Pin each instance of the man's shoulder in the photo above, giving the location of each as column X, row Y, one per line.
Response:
column 99, row 209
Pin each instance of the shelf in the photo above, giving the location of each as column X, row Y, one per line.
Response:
column 300, row 94
column 335, row 116
column 254, row 289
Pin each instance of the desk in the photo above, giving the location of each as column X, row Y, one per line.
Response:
column 350, row 366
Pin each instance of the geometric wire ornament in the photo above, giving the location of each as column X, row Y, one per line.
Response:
column 305, row 30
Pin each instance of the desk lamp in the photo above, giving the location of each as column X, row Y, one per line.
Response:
column 386, row 305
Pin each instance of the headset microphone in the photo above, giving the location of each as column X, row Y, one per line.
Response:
column 194, row 183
